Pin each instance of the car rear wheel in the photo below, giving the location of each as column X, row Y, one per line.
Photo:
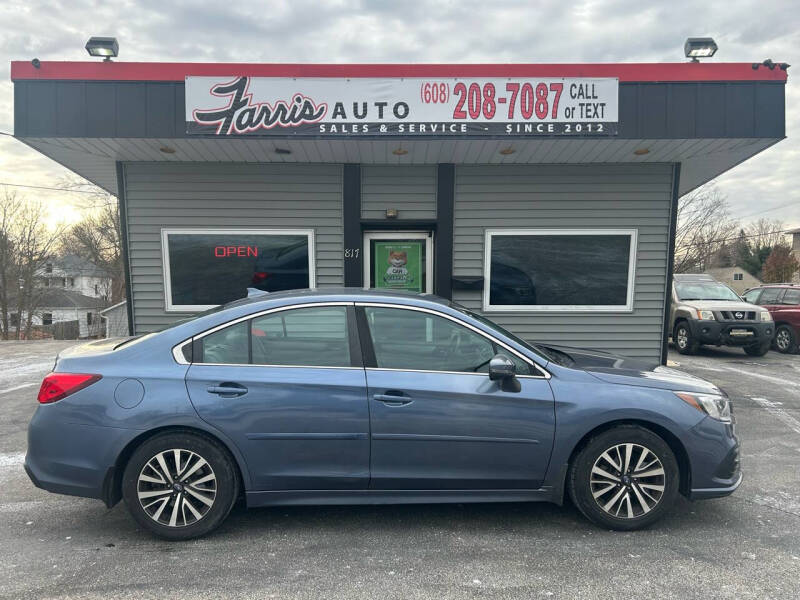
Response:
column 179, row 485
column 684, row 341
column 757, row 349
column 785, row 340
column 625, row 478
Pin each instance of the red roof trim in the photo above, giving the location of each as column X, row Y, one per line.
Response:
column 135, row 71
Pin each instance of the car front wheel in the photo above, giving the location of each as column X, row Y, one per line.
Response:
column 625, row 478
column 757, row 349
column 683, row 338
column 179, row 485
column 785, row 340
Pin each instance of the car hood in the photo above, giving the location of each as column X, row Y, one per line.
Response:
column 630, row 371
column 721, row 305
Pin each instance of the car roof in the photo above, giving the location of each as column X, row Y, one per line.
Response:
column 338, row 293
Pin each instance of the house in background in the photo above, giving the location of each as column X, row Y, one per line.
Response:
column 115, row 319
column 74, row 273
column 56, row 305
column 735, row 277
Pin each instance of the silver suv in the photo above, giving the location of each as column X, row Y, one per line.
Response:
column 705, row 311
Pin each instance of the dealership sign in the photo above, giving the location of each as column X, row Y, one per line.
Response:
column 328, row 107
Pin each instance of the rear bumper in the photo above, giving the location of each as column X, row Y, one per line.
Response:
column 722, row 333
column 67, row 458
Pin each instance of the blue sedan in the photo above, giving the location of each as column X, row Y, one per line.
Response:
column 362, row 397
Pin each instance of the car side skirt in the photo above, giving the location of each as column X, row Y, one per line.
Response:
column 343, row 497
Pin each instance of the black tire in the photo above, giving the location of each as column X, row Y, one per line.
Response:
column 785, row 340
column 757, row 349
column 219, row 465
column 683, row 332
column 581, row 479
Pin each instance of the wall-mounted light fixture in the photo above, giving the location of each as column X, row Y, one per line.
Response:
column 399, row 152
column 167, row 149
column 103, row 47
column 699, row 47
column 507, row 151
column 641, row 151
column 391, row 213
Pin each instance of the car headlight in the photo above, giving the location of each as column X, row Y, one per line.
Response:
column 705, row 315
column 714, row 405
column 765, row 316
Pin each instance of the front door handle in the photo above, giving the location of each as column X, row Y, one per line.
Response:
column 393, row 398
column 227, row 389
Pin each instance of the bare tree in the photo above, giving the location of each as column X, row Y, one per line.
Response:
column 98, row 236
column 9, row 282
column 27, row 245
column 766, row 233
column 704, row 226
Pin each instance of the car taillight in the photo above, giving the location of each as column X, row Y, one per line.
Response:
column 260, row 276
column 57, row 386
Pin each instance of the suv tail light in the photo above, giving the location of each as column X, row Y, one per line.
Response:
column 57, row 386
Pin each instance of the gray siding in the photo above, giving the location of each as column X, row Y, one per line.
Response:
column 572, row 196
column 272, row 196
column 409, row 189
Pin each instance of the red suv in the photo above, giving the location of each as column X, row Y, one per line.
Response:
column 782, row 300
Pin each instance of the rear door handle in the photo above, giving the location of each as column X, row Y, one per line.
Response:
column 393, row 398
column 227, row 390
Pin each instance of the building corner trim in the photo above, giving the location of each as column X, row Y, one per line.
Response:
column 352, row 253
column 673, row 225
column 445, row 215
column 123, row 226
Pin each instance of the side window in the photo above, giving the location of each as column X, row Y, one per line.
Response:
column 752, row 295
column 419, row 341
column 227, row 346
column 316, row 337
column 791, row 297
column 770, row 296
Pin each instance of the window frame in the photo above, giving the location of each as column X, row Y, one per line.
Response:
column 188, row 308
column 488, row 307
column 368, row 351
column 356, row 361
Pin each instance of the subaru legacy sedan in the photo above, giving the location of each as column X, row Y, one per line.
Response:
column 362, row 397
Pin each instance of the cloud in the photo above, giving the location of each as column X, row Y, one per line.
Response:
column 418, row 31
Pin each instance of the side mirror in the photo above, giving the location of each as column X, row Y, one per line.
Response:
column 501, row 367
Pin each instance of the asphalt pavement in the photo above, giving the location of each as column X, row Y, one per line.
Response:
column 744, row 546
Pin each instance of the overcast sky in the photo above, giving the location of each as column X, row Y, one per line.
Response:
column 530, row 31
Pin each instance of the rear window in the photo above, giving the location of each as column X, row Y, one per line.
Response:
column 770, row 295
column 791, row 297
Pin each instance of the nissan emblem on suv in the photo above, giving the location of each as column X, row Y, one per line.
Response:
column 739, row 315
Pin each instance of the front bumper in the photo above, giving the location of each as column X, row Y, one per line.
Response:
column 724, row 333
column 707, row 493
column 716, row 469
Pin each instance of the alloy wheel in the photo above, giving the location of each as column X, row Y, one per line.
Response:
column 177, row 487
column 627, row 481
column 682, row 338
column 783, row 340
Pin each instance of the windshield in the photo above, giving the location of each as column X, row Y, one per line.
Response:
column 705, row 290
column 547, row 353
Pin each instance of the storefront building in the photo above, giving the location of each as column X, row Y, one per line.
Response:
column 542, row 196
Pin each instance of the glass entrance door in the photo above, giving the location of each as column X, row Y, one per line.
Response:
column 399, row 260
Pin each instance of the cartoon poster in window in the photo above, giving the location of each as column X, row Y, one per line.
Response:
column 398, row 265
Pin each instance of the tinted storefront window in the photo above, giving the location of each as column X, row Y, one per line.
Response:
column 589, row 270
column 205, row 269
